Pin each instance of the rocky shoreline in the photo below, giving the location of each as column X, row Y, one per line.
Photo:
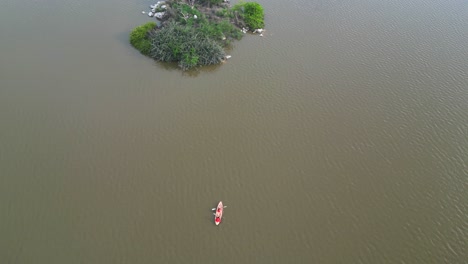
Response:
column 158, row 10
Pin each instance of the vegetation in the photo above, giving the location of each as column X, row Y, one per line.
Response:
column 195, row 32
column 181, row 43
column 139, row 37
column 252, row 14
column 213, row 2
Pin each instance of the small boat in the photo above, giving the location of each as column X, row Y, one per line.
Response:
column 219, row 213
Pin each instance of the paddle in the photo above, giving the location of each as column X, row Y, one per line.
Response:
column 214, row 209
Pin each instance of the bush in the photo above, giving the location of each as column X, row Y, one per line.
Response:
column 252, row 14
column 139, row 37
column 213, row 2
column 222, row 12
column 182, row 44
column 180, row 10
column 217, row 31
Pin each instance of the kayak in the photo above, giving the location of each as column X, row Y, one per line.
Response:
column 219, row 213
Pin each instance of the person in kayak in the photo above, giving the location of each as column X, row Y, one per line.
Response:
column 219, row 210
column 217, row 220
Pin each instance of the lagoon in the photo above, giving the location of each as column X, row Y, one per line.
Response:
column 340, row 136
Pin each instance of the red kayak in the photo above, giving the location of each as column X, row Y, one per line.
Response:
column 219, row 213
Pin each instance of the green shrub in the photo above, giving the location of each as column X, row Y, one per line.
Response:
column 217, row 31
column 222, row 12
column 189, row 60
column 139, row 37
column 180, row 10
column 213, row 2
column 252, row 13
column 182, row 44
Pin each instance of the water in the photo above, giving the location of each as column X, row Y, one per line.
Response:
column 338, row 137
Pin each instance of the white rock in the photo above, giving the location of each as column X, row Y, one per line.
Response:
column 164, row 6
column 159, row 15
column 153, row 10
column 261, row 35
column 150, row 14
column 143, row 12
column 195, row 16
column 228, row 57
column 153, row 6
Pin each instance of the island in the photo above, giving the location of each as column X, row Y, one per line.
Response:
column 194, row 33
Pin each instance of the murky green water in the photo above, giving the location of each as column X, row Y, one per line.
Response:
column 341, row 136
